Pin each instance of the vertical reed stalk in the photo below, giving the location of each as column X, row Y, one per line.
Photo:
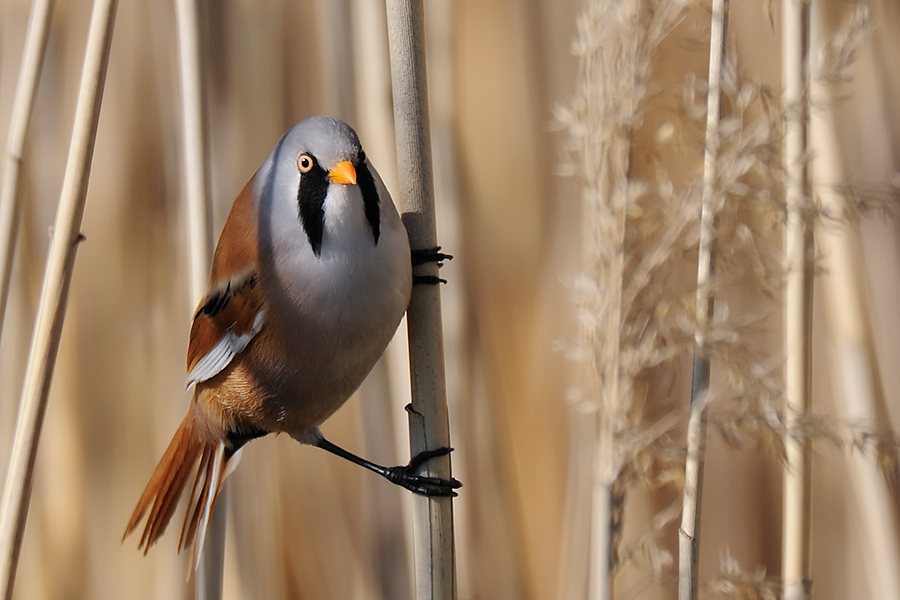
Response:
column 606, row 187
column 799, row 255
column 855, row 365
column 196, row 145
column 208, row 584
column 854, row 362
column 435, row 561
column 614, row 45
column 23, row 103
column 612, row 184
column 54, row 293
column 689, row 532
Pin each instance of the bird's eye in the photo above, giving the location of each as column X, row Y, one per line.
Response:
column 305, row 163
column 361, row 157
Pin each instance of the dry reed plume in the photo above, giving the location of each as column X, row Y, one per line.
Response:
column 634, row 317
column 632, row 230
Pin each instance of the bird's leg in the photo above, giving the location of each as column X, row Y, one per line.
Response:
column 404, row 475
column 427, row 255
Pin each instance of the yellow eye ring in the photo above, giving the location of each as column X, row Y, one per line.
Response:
column 305, row 163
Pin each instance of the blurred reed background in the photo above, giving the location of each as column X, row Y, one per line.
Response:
column 502, row 77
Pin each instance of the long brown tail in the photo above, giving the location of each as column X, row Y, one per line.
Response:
column 168, row 482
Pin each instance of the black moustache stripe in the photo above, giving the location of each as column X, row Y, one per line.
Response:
column 370, row 199
column 311, row 204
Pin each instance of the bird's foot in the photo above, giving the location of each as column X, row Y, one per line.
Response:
column 406, row 477
column 427, row 279
column 427, row 255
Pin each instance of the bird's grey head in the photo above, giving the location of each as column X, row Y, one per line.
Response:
column 316, row 154
column 328, row 140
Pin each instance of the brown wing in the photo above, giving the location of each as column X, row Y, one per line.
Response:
column 232, row 312
column 238, row 248
column 224, row 324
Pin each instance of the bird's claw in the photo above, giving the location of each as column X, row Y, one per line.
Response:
column 405, row 476
column 427, row 255
column 427, row 279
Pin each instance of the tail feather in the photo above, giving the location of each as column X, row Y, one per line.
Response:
column 165, row 500
column 210, row 476
column 191, row 516
column 168, row 482
column 201, row 501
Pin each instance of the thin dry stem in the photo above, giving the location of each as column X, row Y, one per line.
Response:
column 54, row 294
column 872, row 469
column 800, row 256
column 196, row 146
column 619, row 335
column 689, row 532
column 435, row 560
column 199, row 218
column 606, row 182
column 26, row 89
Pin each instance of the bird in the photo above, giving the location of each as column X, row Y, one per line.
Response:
column 309, row 281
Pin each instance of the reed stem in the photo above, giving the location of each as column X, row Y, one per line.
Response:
column 799, row 254
column 435, row 560
column 54, row 293
column 210, row 568
column 196, row 145
column 854, row 365
column 689, row 532
column 23, row 104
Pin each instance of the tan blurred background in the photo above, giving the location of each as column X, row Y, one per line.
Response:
column 305, row 524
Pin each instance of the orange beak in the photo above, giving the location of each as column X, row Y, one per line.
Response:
column 343, row 173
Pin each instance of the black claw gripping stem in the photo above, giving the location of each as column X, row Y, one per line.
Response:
column 427, row 255
column 404, row 475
